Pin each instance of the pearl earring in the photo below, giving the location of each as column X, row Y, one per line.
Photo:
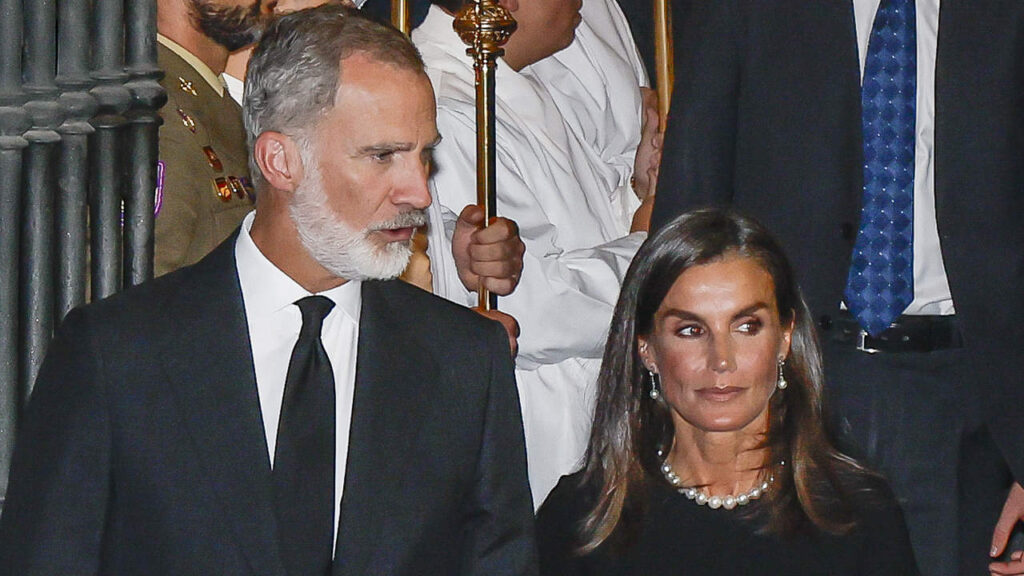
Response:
column 781, row 383
column 655, row 392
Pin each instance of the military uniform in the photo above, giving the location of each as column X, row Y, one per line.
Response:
column 203, row 185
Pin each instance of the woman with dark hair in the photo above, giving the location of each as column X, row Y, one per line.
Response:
column 708, row 453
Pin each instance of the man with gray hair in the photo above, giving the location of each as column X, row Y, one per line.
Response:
column 283, row 407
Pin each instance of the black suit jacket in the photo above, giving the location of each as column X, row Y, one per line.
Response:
column 143, row 452
column 766, row 118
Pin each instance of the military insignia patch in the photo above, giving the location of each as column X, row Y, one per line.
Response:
column 187, row 121
column 223, row 189
column 236, row 186
column 186, row 86
column 213, row 159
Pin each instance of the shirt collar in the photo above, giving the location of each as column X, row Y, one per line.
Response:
column 201, row 68
column 267, row 290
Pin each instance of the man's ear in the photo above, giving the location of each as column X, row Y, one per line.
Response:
column 279, row 160
column 510, row 5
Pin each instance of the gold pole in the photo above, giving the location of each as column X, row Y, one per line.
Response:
column 664, row 65
column 417, row 272
column 400, row 15
column 485, row 26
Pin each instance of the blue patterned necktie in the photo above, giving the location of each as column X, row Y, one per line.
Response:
column 881, row 280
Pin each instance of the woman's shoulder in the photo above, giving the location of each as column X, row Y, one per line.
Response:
column 558, row 525
column 565, row 507
column 570, row 487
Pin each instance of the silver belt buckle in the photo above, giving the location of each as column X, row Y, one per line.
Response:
column 861, row 337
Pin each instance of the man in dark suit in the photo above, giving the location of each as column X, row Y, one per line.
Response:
column 276, row 409
column 767, row 118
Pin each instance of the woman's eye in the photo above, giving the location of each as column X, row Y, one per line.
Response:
column 691, row 331
column 752, row 326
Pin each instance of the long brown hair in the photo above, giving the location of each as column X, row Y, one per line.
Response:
column 813, row 481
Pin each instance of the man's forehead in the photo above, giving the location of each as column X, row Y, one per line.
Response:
column 383, row 82
column 378, row 102
column 358, row 64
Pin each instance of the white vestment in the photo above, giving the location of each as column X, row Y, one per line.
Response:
column 595, row 84
column 573, row 212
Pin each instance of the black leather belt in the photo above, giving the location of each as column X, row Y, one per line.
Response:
column 907, row 334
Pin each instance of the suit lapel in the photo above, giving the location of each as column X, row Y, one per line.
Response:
column 386, row 416
column 960, row 61
column 214, row 381
column 849, row 28
column 849, row 74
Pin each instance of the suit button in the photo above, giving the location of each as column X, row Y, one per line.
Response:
column 825, row 321
column 848, row 232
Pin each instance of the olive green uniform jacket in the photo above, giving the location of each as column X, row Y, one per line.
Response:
column 203, row 186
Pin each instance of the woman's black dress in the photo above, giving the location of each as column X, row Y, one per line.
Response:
column 677, row 536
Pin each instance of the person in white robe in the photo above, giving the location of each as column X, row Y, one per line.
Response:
column 599, row 84
column 574, row 208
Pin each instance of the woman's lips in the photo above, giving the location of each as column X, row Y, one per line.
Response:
column 716, row 394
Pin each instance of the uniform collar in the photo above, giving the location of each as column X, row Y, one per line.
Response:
column 200, row 67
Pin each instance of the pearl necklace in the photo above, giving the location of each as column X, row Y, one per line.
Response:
column 714, row 502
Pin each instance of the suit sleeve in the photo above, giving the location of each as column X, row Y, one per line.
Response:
column 54, row 516
column 699, row 153
column 499, row 532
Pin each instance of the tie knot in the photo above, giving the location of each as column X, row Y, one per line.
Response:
column 314, row 309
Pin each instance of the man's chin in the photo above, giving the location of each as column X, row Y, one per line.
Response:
column 387, row 262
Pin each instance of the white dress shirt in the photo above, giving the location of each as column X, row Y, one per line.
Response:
column 931, row 287
column 235, row 86
column 269, row 296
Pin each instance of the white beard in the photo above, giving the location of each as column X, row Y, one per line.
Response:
column 345, row 252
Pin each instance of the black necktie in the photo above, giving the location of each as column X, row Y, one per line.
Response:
column 304, row 456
